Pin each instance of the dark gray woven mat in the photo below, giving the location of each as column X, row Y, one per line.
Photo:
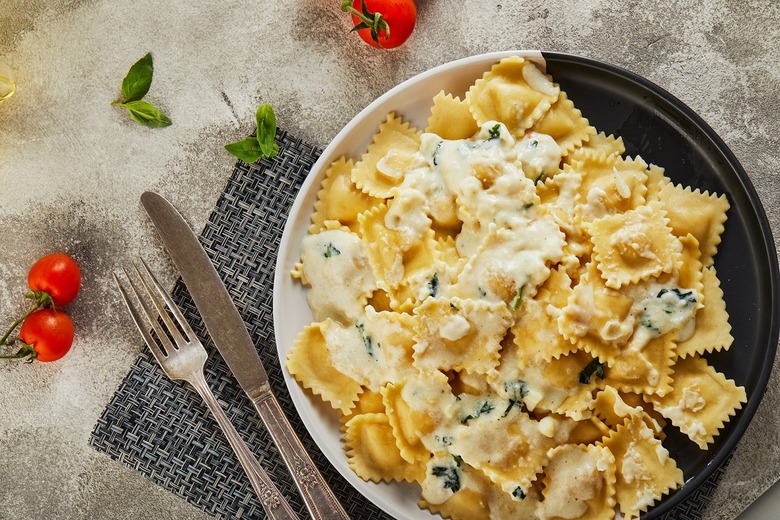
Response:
column 164, row 430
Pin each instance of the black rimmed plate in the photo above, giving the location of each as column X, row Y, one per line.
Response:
column 664, row 131
column 653, row 124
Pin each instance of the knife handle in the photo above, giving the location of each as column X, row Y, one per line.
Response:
column 320, row 500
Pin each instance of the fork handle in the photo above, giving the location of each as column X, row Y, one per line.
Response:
column 320, row 500
column 274, row 503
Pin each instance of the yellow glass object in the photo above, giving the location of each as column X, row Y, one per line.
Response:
column 7, row 81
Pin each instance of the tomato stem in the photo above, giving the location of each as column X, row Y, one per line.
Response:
column 25, row 351
column 42, row 298
column 4, row 339
column 375, row 22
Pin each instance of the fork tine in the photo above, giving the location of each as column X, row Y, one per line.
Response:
column 148, row 338
column 162, row 312
column 152, row 316
column 162, row 293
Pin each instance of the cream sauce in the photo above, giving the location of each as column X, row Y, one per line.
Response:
column 661, row 309
column 337, row 268
column 574, row 479
column 539, row 154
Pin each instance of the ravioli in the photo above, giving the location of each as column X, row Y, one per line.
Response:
column 509, row 311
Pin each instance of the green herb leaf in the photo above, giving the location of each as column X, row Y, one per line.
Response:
column 262, row 144
column 494, row 132
column 266, row 130
column 138, row 80
column 518, row 493
column 147, row 114
column 248, row 150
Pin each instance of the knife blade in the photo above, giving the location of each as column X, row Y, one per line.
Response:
column 229, row 333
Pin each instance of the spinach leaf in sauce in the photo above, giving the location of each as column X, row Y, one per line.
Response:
column 444, row 440
column 330, row 250
column 594, row 368
column 483, row 407
column 436, row 151
column 433, row 285
column 518, row 298
column 367, row 341
column 518, row 493
column 688, row 297
column 449, row 475
column 495, row 132
column 516, row 391
column 657, row 310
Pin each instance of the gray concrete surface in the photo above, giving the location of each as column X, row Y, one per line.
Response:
column 72, row 168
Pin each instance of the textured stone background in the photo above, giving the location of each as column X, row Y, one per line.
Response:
column 72, row 168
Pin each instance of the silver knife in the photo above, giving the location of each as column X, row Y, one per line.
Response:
column 227, row 330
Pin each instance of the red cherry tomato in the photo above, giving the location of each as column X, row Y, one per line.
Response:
column 58, row 275
column 399, row 17
column 49, row 332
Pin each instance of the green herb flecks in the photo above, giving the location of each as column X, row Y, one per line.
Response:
column 261, row 144
column 135, row 86
column 433, row 285
column 518, row 298
column 331, row 251
column 518, row 493
column 495, row 132
column 436, row 150
column 539, row 178
column 533, row 144
column 368, row 342
column 594, row 368
column 444, row 440
column 454, row 307
column 516, row 392
column 483, row 408
column 687, row 296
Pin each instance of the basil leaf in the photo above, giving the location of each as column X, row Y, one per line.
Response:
column 147, row 114
column 248, row 150
column 138, row 80
column 266, row 130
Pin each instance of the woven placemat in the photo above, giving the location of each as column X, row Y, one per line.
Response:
column 164, row 430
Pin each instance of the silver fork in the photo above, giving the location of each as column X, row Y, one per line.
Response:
column 182, row 357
